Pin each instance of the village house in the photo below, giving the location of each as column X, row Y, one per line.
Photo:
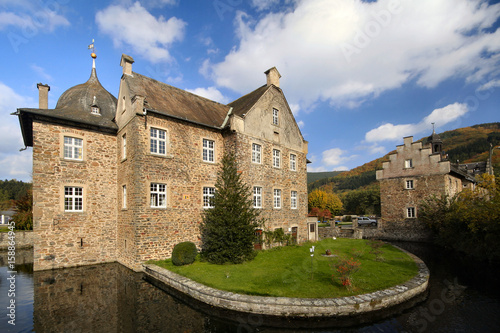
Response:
column 125, row 179
column 415, row 172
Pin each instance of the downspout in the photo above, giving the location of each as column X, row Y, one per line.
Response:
column 227, row 117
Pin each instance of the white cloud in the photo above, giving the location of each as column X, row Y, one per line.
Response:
column 41, row 72
column 489, row 85
column 13, row 164
column 32, row 20
column 137, row 28
column 349, row 51
column 440, row 117
column 301, row 124
column 211, row 93
column 335, row 157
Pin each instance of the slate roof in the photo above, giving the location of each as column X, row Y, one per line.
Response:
column 74, row 108
column 168, row 100
column 245, row 103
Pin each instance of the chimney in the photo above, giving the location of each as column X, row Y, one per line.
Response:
column 43, row 95
column 273, row 77
column 126, row 62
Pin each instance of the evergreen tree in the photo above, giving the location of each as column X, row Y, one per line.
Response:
column 228, row 229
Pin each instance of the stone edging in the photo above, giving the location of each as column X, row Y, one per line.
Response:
column 297, row 307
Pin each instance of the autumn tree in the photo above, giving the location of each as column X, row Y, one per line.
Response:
column 23, row 217
column 323, row 200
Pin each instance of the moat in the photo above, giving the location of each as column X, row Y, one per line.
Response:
column 463, row 296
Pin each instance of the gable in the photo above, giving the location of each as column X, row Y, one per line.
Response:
column 256, row 112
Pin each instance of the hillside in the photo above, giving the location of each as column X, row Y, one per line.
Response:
column 466, row 145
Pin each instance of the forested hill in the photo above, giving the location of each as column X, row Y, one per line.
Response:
column 466, row 145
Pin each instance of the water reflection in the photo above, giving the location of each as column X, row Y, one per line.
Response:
column 463, row 297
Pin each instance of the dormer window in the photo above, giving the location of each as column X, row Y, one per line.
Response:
column 95, row 110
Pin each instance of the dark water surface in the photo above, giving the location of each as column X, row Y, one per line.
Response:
column 464, row 296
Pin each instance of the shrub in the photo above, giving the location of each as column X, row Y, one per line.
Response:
column 184, row 253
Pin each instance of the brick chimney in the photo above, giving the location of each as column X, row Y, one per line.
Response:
column 126, row 62
column 273, row 77
column 43, row 95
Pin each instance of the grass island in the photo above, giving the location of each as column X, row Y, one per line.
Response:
column 291, row 271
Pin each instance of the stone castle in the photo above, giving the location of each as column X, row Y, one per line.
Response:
column 125, row 179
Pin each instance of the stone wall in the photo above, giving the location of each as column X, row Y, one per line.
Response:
column 64, row 239
column 24, row 239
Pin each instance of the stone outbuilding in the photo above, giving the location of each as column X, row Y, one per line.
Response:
column 125, row 179
column 415, row 172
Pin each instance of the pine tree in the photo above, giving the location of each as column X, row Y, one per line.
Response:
column 228, row 229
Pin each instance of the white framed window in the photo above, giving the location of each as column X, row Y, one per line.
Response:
column 73, row 148
column 276, row 158
column 277, row 198
column 275, row 117
column 73, row 199
column 293, row 162
column 409, row 184
column 95, row 110
column 208, row 150
column 257, row 197
column 158, row 195
column 293, row 199
column 208, row 194
column 124, row 146
column 408, row 163
column 158, row 141
column 124, row 196
column 410, row 212
column 256, row 153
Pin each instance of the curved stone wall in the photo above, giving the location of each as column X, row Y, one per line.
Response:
column 297, row 307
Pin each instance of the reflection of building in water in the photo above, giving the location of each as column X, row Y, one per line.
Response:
column 106, row 298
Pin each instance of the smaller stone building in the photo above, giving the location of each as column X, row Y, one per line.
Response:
column 415, row 172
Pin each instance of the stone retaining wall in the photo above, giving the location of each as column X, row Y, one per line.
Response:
column 297, row 307
column 24, row 239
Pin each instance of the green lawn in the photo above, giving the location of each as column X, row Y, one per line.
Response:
column 286, row 271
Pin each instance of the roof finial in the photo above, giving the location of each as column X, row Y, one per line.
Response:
column 93, row 55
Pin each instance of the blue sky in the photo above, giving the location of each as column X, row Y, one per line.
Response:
column 358, row 75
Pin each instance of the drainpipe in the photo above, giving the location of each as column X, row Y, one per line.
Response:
column 227, row 117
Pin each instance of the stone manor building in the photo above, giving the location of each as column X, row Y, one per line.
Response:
column 415, row 172
column 125, row 179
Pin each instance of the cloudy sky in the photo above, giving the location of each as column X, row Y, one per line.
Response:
column 358, row 75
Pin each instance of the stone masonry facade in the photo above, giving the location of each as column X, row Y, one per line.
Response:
column 415, row 172
column 125, row 179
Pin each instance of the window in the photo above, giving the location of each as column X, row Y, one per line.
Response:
column 95, row 110
column 208, row 194
column 73, row 199
column 124, row 146
column 277, row 198
column 158, row 141
column 409, row 184
column 408, row 163
column 158, row 195
column 256, row 153
column 410, row 212
column 276, row 158
column 73, row 148
column 124, row 196
column 257, row 197
column 208, row 150
column 275, row 117
column 293, row 200
column 293, row 162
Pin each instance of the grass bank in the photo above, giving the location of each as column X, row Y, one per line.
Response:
column 290, row 272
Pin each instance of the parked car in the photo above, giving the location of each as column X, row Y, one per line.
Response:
column 363, row 220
